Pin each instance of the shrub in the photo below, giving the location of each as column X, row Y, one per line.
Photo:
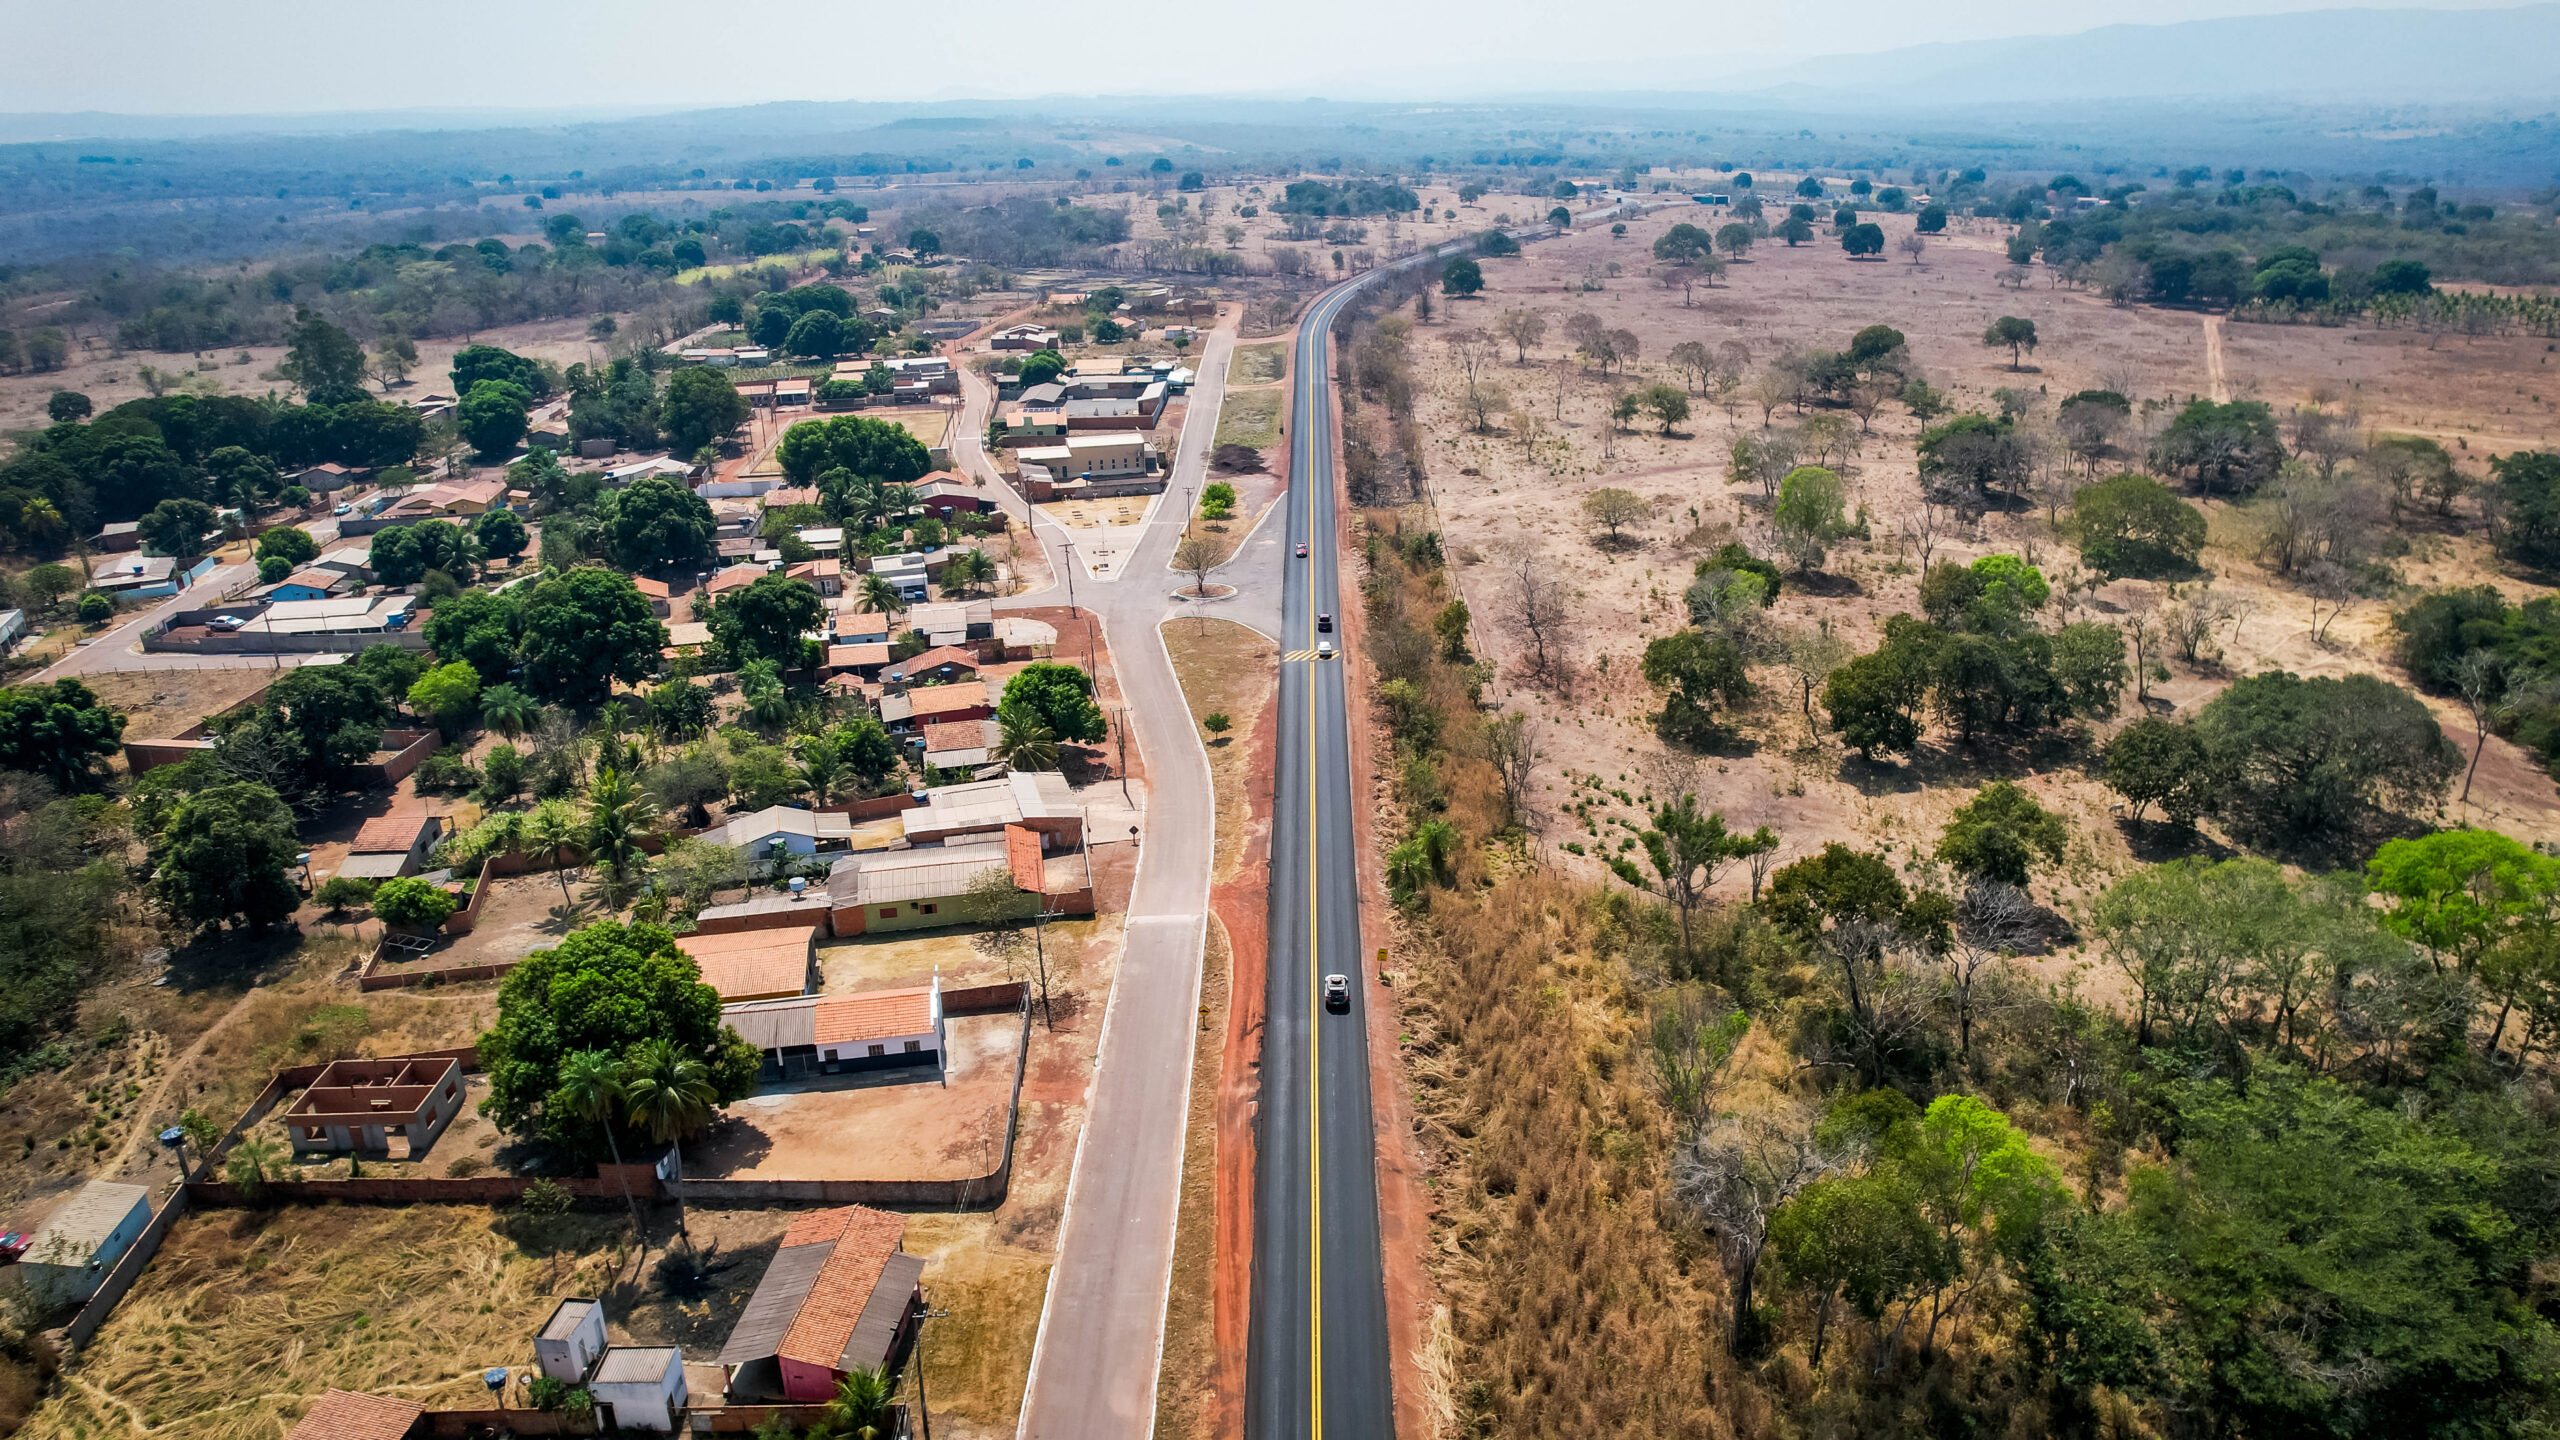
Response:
column 447, row 772
column 96, row 609
column 410, row 903
column 341, row 893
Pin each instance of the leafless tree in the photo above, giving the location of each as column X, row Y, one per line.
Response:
column 2189, row 619
column 1867, row 395
column 1734, row 1177
column 1511, row 742
column 1769, row 390
column 1913, row 246
column 1810, row 655
column 2479, row 679
column 1933, row 524
column 1540, row 612
column 2323, row 439
column 2333, row 583
column 1582, row 327
column 1613, row 510
column 1692, row 359
column 1523, row 328
column 2142, row 627
column 1197, row 555
column 1994, row 922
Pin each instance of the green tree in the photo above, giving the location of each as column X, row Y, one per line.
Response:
column 2230, row 449
column 2161, row 762
column 2461, row 892
column 291, row 543
column 64, row 407
column 478, row 629
column 2292, row 1196
column 2134, row 525
column 1461, row 276
column 1999, row 833
column 2012, row 333
column 699, row 408
column 1696, row 674
column 769, row 619
column 1867, row 238
column 323, row 362
column 178, row 528
column 58, row 731
column 2311, row 757
column 492, row 417
column 855, row 444
column 657, row 523
column 1687, row 849
column 475, row 363
column 449, row 693
column 604, row 989
column 1874, row 700
column 1668, row 404
column 1811, row 514
column 225, row 856
column 1056, row 695
column 1682, row 244
column 97, row 608
column 412, row 903
column 2527, row 485
column 335, row 711
column 584, row 630
column 1040, row 367
column 499, row 533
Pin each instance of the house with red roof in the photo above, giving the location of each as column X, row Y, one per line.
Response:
column 841, row 1295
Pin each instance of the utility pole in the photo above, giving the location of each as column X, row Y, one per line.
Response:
column 925, row 1310
column 1123, row 713
column 1067, row 562
column 1040, row 958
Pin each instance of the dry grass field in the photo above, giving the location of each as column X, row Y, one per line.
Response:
column 1516, row 489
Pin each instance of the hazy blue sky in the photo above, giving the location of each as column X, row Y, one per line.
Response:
column 278, row 56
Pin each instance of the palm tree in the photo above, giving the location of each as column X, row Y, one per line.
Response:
column 971, row 568
column 253, row 1163
column 617, row 820
column 507, row 709
column 768, row 704
column 867, row 502
column 880, row 597
column 592, row 1083
column 821, row 765
column 862, row 1401
column 551, row 829
column 670, row 1095
column 1026, row 744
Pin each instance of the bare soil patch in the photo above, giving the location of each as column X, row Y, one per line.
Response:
column 892, row 1125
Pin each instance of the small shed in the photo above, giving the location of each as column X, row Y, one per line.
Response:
column 639, row 1387
column 571, row 1341
column 69, row 1258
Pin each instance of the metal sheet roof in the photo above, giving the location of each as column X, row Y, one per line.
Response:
column 776, row 1303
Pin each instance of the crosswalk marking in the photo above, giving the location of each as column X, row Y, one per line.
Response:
column 1304, row 655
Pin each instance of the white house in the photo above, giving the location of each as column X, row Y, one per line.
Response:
column 571, row 1341
column 639, row 1387
column 69, row 1258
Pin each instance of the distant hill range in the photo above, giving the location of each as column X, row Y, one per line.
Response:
column 2444, row 57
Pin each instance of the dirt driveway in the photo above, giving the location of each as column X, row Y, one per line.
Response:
column 902, row 1126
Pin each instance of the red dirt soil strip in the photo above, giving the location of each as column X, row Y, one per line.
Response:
column 1243, row 905
column 1404, row 1214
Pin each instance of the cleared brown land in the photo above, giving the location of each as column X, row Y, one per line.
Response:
column 1496, row 497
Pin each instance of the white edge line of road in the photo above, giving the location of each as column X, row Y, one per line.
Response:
column 1066, row 1211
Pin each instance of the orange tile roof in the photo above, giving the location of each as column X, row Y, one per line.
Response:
column 388, row 834
column 874, row 1015
column 959, row 735
column 654, row 589
column 864, row 622
column 1022, row 857
column 848, row 657
column 735, row 577
column 942, row 655
column 865, row 1240
column 948, row 700
column 346, row 1415
column 744, row 963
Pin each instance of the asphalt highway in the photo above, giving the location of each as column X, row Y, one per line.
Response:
column 1317, row 1360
